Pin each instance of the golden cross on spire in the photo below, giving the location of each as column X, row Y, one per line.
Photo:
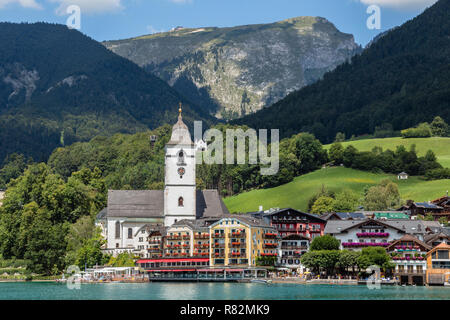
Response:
column 180, row 110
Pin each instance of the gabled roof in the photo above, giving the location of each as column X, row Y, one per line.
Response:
column 248, row 220
column 351, row 215
column 309, row 215
column 439, row 247
column 136, row 203
column 150, row 204
column 406, row 226
column 210, row 204
column 430, row 238
column 426, row 205
column 195, row 225
column 408, row 237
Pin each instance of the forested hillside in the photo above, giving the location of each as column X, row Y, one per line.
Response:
column 58, row 86
column 403, row 79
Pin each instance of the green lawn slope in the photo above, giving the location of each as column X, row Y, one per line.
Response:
column 297, row 193
column 440, row 146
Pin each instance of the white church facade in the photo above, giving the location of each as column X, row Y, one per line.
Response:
column 131, row 215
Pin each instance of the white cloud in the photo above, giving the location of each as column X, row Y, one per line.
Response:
column 401, row 4
column 89, row 6
column 24, row 3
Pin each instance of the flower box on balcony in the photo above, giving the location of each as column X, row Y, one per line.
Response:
column 372, row 234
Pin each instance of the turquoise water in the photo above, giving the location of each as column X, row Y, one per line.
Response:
column 214, row 291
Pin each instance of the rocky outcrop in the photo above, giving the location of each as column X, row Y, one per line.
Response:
column 237, row 71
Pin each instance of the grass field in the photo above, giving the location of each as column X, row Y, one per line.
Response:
column 440, row 146
column 297, row 193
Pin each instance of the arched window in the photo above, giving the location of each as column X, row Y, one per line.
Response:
column 181, row 156
column 180, row 202
column 117, row 230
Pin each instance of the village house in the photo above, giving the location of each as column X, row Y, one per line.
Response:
column 354, row 234
column 188, row 238
column 421, row 208
column 290, row 221
column 241, row 240
column 291, row 249
column 435, row 239
column 2, row 196
column 438, row 265
column 343, row 216
column 402, row 176
column 409, row 256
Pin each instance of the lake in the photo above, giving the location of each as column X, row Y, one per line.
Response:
column 214, row 291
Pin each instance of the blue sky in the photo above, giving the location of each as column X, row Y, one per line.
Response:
column 118, row 19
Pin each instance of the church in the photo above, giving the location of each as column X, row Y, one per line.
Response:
column 130, row 216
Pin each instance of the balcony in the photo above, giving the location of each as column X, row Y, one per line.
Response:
column 218, row 235
column 236, row 255
column 173, row 237
column 218, row 245
column 372, row 235
column 218, row 255
column 270, row 245
column 269, row 235
column 364, row 244
column 201, row 236
column 293, row 247
column 237, row 244
column 238, row 235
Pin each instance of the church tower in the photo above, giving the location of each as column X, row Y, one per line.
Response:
column 180, row 186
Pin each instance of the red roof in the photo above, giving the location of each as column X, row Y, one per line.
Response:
column 173, row 260
column 175, row 270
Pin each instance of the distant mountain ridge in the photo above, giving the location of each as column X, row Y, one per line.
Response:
column 401, row 79
column 239, row 70
column 58, row 86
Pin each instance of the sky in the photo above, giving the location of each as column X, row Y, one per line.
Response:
column 119, row 19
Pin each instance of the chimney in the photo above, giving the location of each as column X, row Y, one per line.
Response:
column 260, row 208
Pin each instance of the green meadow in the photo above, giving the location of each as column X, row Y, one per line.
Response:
column 439, row 145
column 297, row 193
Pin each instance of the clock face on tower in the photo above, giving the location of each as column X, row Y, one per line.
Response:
column 181, row 171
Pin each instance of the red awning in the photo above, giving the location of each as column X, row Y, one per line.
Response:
column 173, row 260
column 181, row 270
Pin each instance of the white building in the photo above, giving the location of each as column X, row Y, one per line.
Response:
column 131, row 215
column 357, row 234
column 2, row 195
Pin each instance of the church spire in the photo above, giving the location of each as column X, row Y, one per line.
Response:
column 180, row 111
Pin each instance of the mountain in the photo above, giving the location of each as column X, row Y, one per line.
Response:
column 58, row 86
column 239, row 70
column 402, row 79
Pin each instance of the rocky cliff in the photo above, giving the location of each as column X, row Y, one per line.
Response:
column 239, row 70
